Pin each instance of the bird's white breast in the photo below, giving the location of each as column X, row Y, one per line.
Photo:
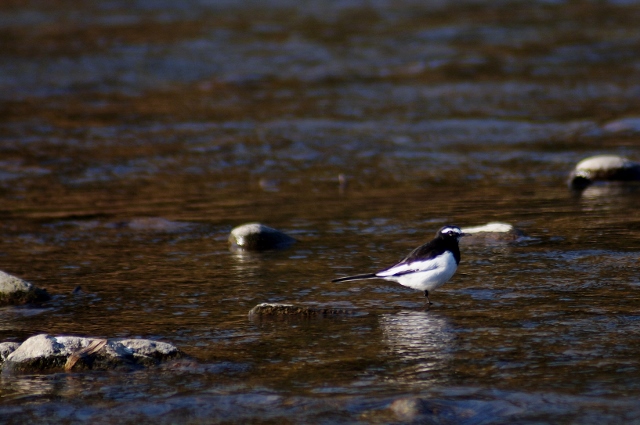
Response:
column 428, row 275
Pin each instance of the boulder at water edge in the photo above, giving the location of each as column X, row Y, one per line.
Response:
column 603, row 168
column 258, row 237
column 15, row 291
column 47, row 353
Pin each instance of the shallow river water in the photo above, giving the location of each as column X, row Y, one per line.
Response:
column 134, row 135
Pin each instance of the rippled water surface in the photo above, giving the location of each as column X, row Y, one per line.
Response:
column 135, row 135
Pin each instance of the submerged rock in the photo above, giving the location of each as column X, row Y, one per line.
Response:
column 603, row 168
column 494, row 231
column 258, row 237
column 45, row 352
column 152, row 224
column 413, row 408
column 15, row 291
column 443, row 411
column 629, row 125
column 291, row 310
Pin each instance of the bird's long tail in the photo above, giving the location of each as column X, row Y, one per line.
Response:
column 356, row 277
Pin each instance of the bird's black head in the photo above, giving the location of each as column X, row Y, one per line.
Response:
column 450, row 232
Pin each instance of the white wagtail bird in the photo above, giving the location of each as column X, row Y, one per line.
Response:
column 425, row 268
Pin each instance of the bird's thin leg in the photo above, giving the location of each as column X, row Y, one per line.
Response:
column 426, row 294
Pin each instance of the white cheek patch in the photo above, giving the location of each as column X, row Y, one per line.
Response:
column 449, row 230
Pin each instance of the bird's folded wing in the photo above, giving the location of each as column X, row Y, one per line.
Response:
column 412, row 267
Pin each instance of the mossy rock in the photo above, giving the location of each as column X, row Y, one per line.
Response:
column 297, row 311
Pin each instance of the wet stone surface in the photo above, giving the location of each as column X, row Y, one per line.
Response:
column 15, row 291
column 45, row 353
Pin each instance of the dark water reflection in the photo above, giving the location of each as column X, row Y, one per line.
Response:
column 134, row 136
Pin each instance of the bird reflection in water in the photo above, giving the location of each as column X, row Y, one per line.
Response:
column 420, row 343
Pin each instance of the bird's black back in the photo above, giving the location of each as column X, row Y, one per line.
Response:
column 433, row 248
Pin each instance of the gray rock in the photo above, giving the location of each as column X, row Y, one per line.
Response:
column 45, row 352
column 258, row 237
column 15, row 291
column 7, row 348
column 291, row 310
column 492, row 232
column 146, row 351
column 603, row 168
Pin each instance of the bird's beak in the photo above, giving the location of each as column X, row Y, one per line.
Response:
column 466, row 234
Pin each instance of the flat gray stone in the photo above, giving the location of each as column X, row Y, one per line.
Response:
column 258, row 237
column 15, row 291
column 603, row 168
column 492, row 232
column 45, row 352
column 144, row 349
